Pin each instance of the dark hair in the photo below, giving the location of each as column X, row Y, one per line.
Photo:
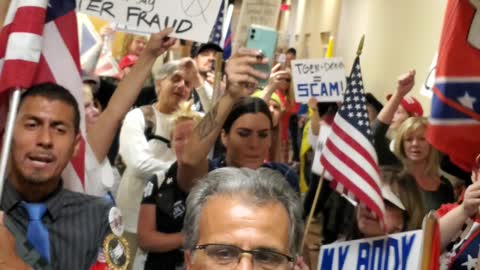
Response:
column 247, row 105
column 327, row 108
column 52, row 91
column 372, row 100
column 292, row 51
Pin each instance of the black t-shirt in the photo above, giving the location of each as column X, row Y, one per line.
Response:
column 434, row 199
column 169, row 200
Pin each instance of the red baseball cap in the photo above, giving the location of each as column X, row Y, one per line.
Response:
column 127, row 61
column 411, row 105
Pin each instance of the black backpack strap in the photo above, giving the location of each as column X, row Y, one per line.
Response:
column 151, row 125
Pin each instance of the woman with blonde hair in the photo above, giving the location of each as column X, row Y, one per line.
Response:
column 132, row 47
column 163, row 206
column 421, row 160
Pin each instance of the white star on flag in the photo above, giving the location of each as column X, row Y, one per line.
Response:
column 467, row 101
column 470, row 263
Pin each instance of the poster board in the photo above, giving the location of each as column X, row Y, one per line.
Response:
column 190, row 19
column 323, row 79
column 261, row 12
column 395, row 251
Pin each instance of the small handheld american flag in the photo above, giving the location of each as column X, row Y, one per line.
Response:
column 348, row 156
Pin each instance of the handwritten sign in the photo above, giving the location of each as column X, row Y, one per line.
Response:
column 190, row 19
column 260, row 12
column 396, row 251
column 323, row 79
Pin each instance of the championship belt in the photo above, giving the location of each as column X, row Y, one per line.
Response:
column 116, row 252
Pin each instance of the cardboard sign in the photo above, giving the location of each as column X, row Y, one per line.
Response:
column 323, row 79
column 190, row 19
column 260, row 12
column 396, row 251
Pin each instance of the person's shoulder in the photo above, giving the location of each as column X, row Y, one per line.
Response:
column 280, row 167
column 444, row 181
column 134, row 115
column 86, row 201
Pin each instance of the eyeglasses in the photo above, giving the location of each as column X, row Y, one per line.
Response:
column 227, row 257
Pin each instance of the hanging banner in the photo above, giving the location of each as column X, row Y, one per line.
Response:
column 190, row 19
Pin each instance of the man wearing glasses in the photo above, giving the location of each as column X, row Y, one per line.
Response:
column 243, row 219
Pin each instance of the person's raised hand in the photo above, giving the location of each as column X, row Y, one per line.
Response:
column 471, row 199
column 210, row 77
column 278, row 76
column 159, row 43
column 191, row 72
column 405, row 83
column 8, row 257
column 312, row 104
column 242, row 78
column 106, row 31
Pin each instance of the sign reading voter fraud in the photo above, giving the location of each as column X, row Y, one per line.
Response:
column 190, row 19
column 396, row 251
column 323, row 79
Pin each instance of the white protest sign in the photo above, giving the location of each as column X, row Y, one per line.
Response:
column 323, row 79
column 324, row 132
column 190, row 19
column 395, row 251
column 260, row 12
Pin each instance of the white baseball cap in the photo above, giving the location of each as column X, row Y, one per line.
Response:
column 391, row 197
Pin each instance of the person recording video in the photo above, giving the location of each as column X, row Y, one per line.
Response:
column 204, row 58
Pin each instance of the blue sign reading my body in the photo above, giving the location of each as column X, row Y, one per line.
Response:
column 381, row 254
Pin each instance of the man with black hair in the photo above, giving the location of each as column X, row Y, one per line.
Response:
column 290, row 55
column 54, row 228
column 204, row 57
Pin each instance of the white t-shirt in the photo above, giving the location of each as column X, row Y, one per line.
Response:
column 142, row 159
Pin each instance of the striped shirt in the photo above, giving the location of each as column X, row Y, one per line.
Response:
column 77, row 225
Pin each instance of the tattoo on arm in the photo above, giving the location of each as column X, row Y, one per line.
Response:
column 208, row 123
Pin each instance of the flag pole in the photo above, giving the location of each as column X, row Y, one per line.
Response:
column 217, row 77
column 360, row 46
column 312, row 210
column 428, row 231
column 219, row 55
column 7, row 137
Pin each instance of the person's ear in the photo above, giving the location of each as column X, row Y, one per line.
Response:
column 224, row 138
column 187, row 255
column 158, row 84
column 77, row 144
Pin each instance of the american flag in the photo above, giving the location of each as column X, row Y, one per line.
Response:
column 216, row 35
column 348, row 156
column 39, row 43
column 454, row 123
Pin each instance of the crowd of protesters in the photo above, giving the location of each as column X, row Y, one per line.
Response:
column 156, row 142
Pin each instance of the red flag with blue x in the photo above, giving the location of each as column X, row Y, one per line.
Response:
column 454, row 125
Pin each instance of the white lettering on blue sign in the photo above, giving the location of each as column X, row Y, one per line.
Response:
column 380, row 254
